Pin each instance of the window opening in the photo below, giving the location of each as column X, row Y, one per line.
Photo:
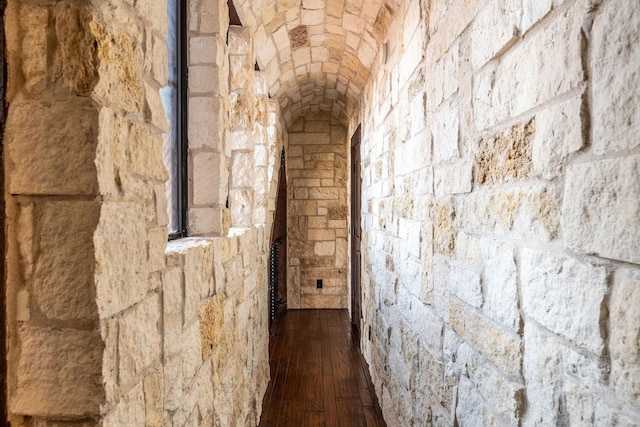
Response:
column 174, row 98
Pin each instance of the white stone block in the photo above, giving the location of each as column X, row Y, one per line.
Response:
column 413, row 154
column 324, row 248
column 559, row 133
column 601, row 213
column 465, row 284
column 445, row 128
column 624, row 315
column 500, row 282
column 533, row 11
column 494, row 30
column 565, row 296
column 456, row 178
column 616, row 81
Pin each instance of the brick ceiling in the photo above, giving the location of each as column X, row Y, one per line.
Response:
column 317, row 54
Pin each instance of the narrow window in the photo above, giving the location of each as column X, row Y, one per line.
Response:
column 174, row 97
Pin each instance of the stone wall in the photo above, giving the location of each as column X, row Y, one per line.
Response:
column 107, row 323
column 501, row 225
column 317, row 213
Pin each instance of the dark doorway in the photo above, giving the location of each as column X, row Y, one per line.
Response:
column 356, row 230
column 278, row 254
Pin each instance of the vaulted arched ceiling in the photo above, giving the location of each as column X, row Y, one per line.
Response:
column 317, row 54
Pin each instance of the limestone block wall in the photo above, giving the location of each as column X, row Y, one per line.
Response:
column 107, row 323
column 317, row 213
column 501, row 225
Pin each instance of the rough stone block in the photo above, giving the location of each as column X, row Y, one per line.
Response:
column 34, row 21
column 624, row 312
column 452, row 179
column 241, row 207
column 413, row 154
column 52, row 147
column 242, row 170
column 559, row 133
column 120, row 69
column 240, row 40
column 63, row 276
column 324, row 248
column 494, row 30
column 120, row 239
column 465, row 284
column 445, row 129
column 139, row 341
column 74, row 67
column 616, row 51
column 543, row 374
column 525, row 78
column 533, row 11
column 502, row 348
column 506, row 156
column 500, row 283
column 506, row 397
column 553, row 282
column 59, row 373
column 601, row 213
column 129, row 411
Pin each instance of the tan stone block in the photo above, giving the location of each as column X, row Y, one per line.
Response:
column 320, row 234
column 58, row 373
column 300, row 193
column 204, row 50
column 213, row 16
column 130, row 410
column 156, row 60
column 241, row 114
column 40, row 140
column 34, row 21
column 240, row 72
column 204, row 79
column 240, row 40
column 209, row 221
column 74, row 66
column 120, row 239
column 317, row 222
column 120, row 69
column 309, row 138
column 323, row 301
column 324, row 248
column 502, row 348
column 204, row 114
column 209, row 178
column 63, row 275
column 139, row 341
column 301, row 207
column 153, row 397
column 337, row 212
column 144, row 154
column 324, row 193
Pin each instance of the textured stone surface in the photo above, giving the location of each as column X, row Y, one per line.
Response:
column 625, row 330
column 65, row 379
column 552, row 283
column 40, row 149
column 601, row 213
column 63, row 276
column 616, row 115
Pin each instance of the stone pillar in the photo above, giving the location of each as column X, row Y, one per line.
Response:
column 51, row 139
column 208, row 91
column 241, row 126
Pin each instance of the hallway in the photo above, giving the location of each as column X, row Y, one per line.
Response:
column 317, row 375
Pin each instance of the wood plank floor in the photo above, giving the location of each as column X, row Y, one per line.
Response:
column 318, row 376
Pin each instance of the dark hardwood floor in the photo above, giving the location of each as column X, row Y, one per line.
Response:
column 318, row 376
